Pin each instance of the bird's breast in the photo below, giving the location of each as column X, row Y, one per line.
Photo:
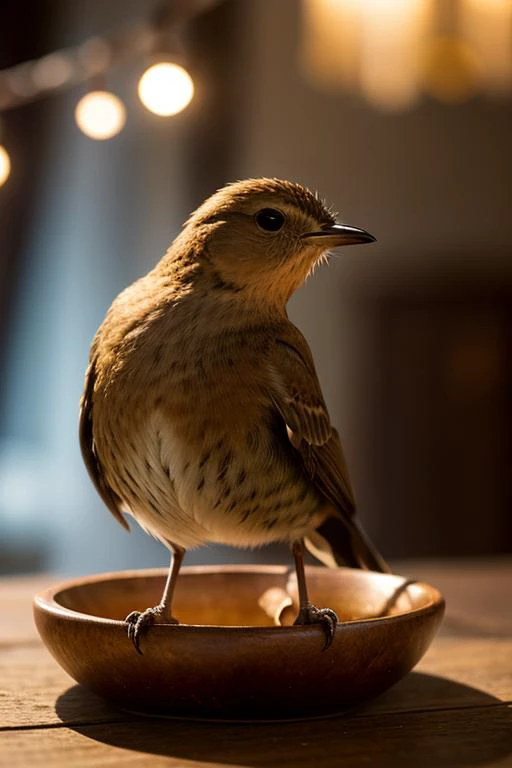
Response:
column 195, row 446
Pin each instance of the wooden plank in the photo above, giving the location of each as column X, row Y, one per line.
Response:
column 16, row 594
column 31, row 684
column 478, row 592
column 484, row 664
column 454, row 673
column 475, row 736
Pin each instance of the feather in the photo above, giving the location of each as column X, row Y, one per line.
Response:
column 298, row 398
column 89, row 454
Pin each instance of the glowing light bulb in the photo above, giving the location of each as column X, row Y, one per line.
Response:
column 100, row 115
column 166, row 88
column 5, row 165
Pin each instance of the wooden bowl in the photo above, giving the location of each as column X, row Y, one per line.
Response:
column 228, row 660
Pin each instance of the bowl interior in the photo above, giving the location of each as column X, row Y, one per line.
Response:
column 246, row 595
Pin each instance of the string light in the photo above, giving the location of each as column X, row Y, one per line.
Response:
column 100, row 115
column 166, row 88
column 5, row 165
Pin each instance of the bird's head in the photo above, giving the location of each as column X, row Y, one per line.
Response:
column 263, row 236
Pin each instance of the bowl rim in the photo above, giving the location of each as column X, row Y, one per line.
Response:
column 46, row 600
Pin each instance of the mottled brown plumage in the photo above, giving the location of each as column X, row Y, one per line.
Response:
column 202, row 414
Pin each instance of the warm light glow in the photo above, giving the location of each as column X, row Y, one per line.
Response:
column 331, row 43
column 450, row 70
column 5, row 165
column 100, row 115
column 52, row 71
column 371, row 45
column 391, row 37
column 389, row 50
column 487, row 27
column 166, row 89
column 95, row 55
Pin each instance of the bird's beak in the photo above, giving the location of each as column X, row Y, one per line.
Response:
column 333, row 235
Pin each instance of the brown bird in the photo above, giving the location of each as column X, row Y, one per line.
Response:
column 202, row 414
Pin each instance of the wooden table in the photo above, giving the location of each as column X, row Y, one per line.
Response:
column 453, row 711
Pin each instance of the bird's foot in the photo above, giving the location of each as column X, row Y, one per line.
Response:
column 139, row 622
column 325, row 616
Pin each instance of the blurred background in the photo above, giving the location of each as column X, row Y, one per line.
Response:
column 399, row 112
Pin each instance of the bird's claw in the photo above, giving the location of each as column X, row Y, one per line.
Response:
column 325, row 616
column 139, row 621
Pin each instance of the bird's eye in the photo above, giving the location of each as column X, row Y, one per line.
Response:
column 270, row 219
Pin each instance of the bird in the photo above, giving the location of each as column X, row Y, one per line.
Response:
column 202, row 414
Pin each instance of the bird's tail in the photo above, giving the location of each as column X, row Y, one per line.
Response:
column 342, row 541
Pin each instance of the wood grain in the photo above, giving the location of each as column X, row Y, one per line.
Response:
column 31, row 683
column 478, row 593
column 477, row 736
column 485, row 665
column 16, row 594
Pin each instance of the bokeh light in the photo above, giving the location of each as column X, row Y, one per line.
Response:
column 5, row 165
column 100, row 115
column 52, row 71
column 166, row 89
column 451, row 73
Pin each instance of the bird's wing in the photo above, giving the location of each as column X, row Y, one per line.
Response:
column 89, row 454
column 298, row 398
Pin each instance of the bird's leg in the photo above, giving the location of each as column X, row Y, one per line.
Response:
column 138, row 621
column 178, row 553
column 309, row 613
